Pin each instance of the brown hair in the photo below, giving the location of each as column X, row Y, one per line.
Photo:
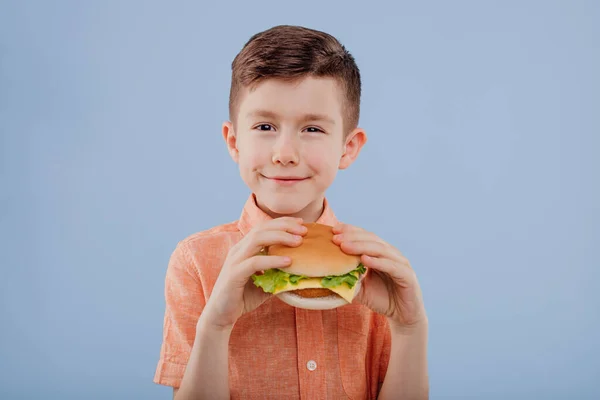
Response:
column 293, row 52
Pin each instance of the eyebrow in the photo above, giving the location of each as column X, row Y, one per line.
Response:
column 304, row 117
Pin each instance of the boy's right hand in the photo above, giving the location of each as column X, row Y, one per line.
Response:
column 234, row 293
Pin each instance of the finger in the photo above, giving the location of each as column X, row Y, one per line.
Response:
column 283, row 224
column 256, row 264
column 339, row 228
column 287, row 224
column 368, row 247
column 356, row 235
column 260, row 239
column 400, row 272
column 364, row 236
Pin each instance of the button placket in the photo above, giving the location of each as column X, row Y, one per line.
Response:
column 310, row 342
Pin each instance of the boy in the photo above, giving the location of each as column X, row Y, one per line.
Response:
column 294, row 108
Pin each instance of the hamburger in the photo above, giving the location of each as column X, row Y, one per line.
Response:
column 320, row 277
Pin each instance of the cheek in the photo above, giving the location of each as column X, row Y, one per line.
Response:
column 325, row 160
column 251, row 155
column 255, row 159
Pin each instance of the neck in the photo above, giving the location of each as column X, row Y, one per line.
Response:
column 311, row 213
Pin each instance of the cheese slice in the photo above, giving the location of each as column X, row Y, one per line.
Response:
column 315, row 283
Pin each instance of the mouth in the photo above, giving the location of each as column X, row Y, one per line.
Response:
column 285, row 180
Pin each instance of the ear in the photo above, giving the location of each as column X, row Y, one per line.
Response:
column 353, row 144
column 231, row 140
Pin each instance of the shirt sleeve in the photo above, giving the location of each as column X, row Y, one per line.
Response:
column 185, row 300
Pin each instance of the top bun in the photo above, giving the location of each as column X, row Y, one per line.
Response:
column 317, row 256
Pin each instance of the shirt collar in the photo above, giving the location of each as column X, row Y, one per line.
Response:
column 252, row 215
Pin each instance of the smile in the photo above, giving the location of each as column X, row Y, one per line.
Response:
column 285, row 180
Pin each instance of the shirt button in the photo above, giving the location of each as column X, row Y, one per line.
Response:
column 311, row 365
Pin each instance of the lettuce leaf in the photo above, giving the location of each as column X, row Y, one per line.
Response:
column 349, row 279
column 361, row 269
column 271, row 280
column 294, row 279
column 336, row 281
column 274, row 279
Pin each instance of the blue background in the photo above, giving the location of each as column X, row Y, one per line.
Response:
column 482, row 167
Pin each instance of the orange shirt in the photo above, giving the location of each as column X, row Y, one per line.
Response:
column 276, row 351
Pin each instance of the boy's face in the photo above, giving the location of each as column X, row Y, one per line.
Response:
column 289, row 143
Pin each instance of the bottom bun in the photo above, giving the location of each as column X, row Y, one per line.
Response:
column 314, row 303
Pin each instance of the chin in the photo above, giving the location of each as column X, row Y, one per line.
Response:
column 284, row 205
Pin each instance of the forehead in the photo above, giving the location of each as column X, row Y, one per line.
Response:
column 290, row 99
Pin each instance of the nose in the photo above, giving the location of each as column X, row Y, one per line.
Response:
column 285, row 150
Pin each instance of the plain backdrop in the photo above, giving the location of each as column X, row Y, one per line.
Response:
column 482, row 168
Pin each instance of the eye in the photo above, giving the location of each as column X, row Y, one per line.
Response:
column 313, row 129
column 264, row 127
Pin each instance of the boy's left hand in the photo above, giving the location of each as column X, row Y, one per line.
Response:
column 390, row 287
